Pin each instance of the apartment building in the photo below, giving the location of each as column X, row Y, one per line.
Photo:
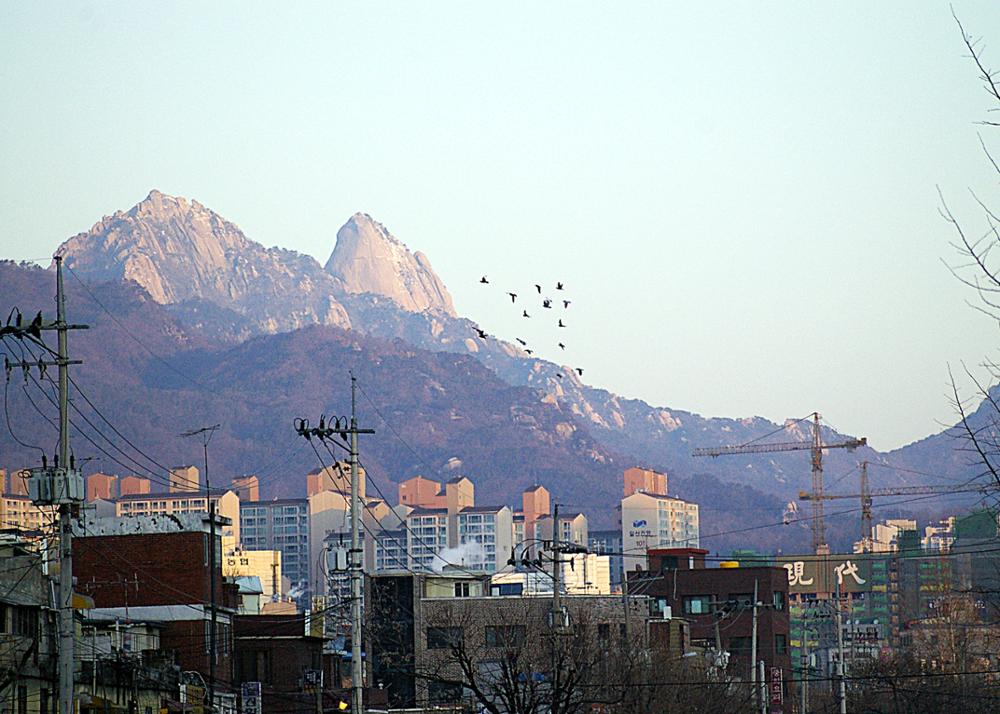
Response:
column 426, row 536
column 572, row 528
column 484, row 538
column 281, row 525
column 184, row 479
column 19, row 513
column 646, row 480
column 133, row 486
column 656, row 521
column 176, row 502
column 609, row 543
column 336, row 477
column 247, row 488
column 101, row 486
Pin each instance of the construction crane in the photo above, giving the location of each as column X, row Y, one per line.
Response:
column 816, row 446
column 867, row 494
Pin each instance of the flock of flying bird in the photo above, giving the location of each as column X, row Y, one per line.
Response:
column 547, row 304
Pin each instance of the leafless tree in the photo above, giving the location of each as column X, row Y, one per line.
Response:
column 977, row 267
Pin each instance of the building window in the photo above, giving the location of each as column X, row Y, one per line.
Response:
column 604, row 632
column 697, row 604
column 441, row 638
column 443, row 692
column 461, row 590
column 779, row 600
column 25, row 622
column 740, row 645
column 780, row 644
column 741, row 600
column 505, row 636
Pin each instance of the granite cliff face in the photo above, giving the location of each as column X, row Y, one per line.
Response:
column 369, row 259
column 185, row 255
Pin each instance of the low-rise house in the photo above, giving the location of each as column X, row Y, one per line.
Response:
column 27, row 645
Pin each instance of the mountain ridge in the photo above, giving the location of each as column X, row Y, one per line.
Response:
column 389, row 310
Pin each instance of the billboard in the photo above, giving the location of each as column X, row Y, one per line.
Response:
column 823, row 573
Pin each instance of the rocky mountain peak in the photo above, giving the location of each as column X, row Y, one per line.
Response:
column 183, row 253
column 369, row 259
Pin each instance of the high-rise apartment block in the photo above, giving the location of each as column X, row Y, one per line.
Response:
column 572, row 528
column 334, row 478
column 281, row 525
column 247, row 488
column 185, row 479
column 645, row 480
column 483, row 536
column 656, row 521
column 153, row 504
column 16, row 483
column 133, row 486
column 427, row 537
column 101, row 486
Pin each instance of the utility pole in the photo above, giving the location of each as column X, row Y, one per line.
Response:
column 556, row 605
column 557, row 619
column 805, row 668
column 206, row 434
column 66, row 624
column 357, row 673
column 753, row 645
column 762, row 688
column 62, row 485
column 344, row 428
column 841, row 686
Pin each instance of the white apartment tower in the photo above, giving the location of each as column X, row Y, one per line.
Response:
column 651, row 520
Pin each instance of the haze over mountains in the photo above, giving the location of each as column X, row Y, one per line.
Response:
column 212, row 326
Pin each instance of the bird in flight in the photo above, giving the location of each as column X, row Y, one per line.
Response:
column 513, row 296
column 524, row 313
column 559, row 286
column 547, row 303
column 561, row 324
column 538, row 288
column 566, row 304
column 562, row 346
column 559, row 374
column 484, row 281
column 580, row 371
column 530, row 352
column 482, row 333
column 521, row 341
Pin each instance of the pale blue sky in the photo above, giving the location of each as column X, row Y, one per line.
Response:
column 739, row 196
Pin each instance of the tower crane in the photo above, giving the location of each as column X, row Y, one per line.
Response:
column 867, row 494
column 816, row 446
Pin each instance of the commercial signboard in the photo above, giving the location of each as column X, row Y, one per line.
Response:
column 250, row 692
column 823, row 573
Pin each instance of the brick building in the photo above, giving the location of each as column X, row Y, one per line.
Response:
column 718, row 604
column 156, row 568
column 278, row 652
column 416, row 622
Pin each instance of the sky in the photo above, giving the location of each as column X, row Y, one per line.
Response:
column 741, row 197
